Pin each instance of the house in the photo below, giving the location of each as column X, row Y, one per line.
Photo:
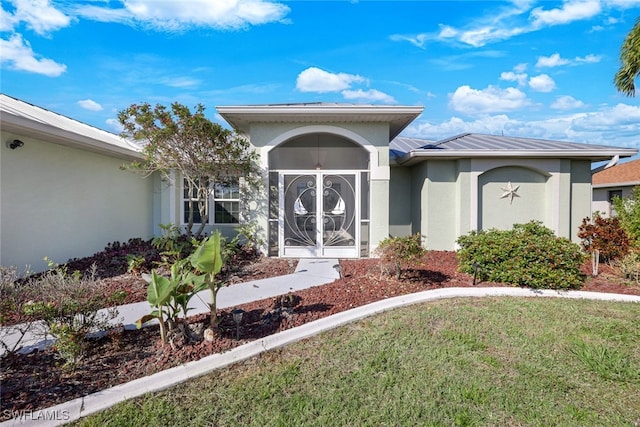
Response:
column 62, row 193
column 338, row 179
column 614, row 181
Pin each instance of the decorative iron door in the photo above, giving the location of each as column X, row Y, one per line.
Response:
column 319, row 214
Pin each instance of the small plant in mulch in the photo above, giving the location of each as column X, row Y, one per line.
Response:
column 604, row 239
column 69, row 304
column 397, row 253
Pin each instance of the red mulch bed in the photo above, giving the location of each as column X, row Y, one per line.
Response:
column 37, row 380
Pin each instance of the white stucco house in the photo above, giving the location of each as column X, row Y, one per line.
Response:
column 337, row 180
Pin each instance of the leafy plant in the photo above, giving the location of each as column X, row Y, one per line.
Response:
column 527, row 255
column 169, row 299
column 169, row 296
column 399, row 252
column 628, row 212
column 172, row 244
column 207, row 259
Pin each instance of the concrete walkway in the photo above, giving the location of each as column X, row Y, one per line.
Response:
column 309, row 272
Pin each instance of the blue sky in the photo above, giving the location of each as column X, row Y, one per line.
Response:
column 541, row 69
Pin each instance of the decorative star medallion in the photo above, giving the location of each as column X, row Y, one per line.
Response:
column 510, row 191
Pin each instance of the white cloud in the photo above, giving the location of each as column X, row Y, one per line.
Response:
column 316, row 80
column 39, row 15
column 7, row 20
column 486, row 101
column 556, row 60
column 589, row 59
column 178, row 16
column 368, row 95
column 89, row 104
column 510, row 76
column 566, row 103
column 18, row 55
column 572, row 10
column 542, row 83
column 614, row 126
column 520, row 68
column 418, row 40
column 551, row 61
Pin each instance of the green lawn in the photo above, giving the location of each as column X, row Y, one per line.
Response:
column 469, row 362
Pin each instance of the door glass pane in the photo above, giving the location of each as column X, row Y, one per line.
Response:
column 300, row 219
column 338, row 210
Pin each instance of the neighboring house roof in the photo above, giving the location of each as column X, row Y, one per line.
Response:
column 241, row 116
column 22, row 118
column 620, row 175
column 479, row 145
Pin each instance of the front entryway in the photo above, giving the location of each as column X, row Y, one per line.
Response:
column 319, row 214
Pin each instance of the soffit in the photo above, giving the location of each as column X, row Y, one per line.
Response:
column 398, row 117
column 29, row 120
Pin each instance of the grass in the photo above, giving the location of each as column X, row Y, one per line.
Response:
column 463, row 362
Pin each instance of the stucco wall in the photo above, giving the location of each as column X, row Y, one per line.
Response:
column 531, row 203
column 580, row 196
column 63, row 203
column 372, row 136
column 400, row 202
column 449, row 198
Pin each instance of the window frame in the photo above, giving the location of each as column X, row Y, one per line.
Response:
column 213, row 203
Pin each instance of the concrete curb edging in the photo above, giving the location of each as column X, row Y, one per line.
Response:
column 83, row 406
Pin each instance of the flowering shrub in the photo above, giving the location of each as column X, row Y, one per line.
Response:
column 528, row 255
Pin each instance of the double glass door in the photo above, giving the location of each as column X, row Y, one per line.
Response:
column 319, row 214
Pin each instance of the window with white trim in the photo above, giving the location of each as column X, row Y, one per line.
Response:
column 225, row 199
column 194, row 199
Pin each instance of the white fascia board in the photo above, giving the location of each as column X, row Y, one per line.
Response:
column 617, row 184
column 49, row 133
column 590, row 154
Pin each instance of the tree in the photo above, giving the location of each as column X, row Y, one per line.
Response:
column 193, row 147
column 630, row 62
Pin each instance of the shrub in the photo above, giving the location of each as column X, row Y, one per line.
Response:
column 628, row 211
column 629, row 266
column 69, row 306
column 605, row 235
column 13, row 327
column 399, row 252
column 527, row 255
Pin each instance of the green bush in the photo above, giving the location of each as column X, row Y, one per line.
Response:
column 399, row 252
column 628, row 212
column 528, row 255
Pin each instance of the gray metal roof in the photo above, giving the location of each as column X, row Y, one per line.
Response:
column 26, row 119
column 411, row 150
